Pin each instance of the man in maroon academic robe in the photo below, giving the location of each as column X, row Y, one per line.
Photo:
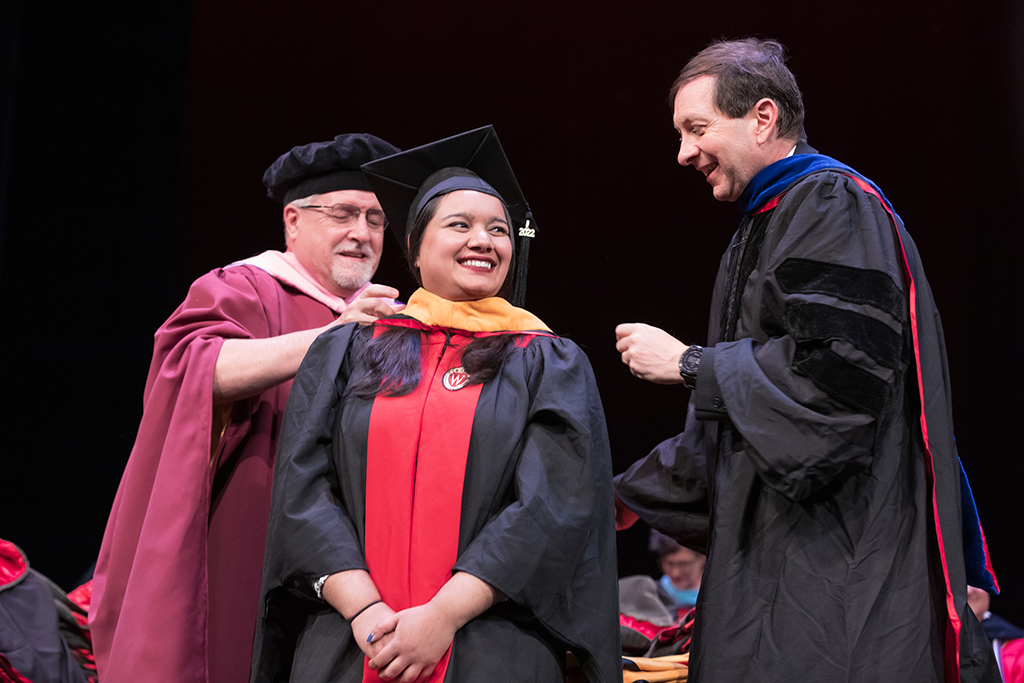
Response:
column 177, row 581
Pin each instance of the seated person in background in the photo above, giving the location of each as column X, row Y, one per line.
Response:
column 442, row 504
column 656, row 617
column 682, row 570
column 1007, row 639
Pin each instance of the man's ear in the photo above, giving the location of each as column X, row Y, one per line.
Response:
column 766, row 119
column 290, row 215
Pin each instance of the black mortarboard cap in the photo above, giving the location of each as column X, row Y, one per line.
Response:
column 473, row 160
column 324, row 167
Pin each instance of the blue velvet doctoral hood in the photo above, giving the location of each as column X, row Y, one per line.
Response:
column 776, row 178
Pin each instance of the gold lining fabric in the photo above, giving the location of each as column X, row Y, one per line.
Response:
column 492, row 314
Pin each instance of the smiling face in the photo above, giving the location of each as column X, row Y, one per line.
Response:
column 466, row 247
column 342, row 258
column 727, row 151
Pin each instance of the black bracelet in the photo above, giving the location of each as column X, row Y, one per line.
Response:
column 353, row 617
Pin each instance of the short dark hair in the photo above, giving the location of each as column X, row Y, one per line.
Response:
column 662, row 544
column 745, row 71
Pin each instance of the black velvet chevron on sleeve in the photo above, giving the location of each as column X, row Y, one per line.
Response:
column 815, row 325
column 856, row 285
column 840, row 379
column 813, row 322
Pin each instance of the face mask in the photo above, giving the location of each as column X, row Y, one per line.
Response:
column 681, row 596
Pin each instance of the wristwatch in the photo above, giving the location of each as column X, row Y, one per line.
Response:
column 689, row 363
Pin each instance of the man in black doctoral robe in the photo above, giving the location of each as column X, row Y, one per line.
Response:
column 817, row 466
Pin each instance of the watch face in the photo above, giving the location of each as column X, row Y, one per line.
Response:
column 690, row 361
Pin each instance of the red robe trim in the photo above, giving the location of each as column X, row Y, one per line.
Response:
column 13, row 564
column 1011, row 660
column 8, row 674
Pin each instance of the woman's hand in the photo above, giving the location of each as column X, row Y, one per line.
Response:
column 367, row 629
column 410, row 643
column 421, row 635
column 350, row 592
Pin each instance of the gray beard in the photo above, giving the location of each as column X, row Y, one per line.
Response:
column 351, row 277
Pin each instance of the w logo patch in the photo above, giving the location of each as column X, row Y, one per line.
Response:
column 455, row 379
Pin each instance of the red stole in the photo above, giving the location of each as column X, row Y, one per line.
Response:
column 415, row 467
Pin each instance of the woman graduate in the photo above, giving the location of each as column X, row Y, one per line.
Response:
column 442, row 505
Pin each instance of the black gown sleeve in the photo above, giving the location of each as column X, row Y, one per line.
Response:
column 824, row 351
column 668, row 488
column 552, row 550
column 309, row 535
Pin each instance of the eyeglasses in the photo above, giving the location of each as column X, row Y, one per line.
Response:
column 346, row 214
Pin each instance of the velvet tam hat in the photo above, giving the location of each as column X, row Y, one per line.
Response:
column 321, row 167
column 474, row 160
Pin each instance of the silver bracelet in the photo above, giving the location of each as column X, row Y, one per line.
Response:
column 318, row 585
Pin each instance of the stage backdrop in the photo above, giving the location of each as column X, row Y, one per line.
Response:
column 135, row 136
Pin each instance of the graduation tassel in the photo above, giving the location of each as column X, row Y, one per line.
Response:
column 526, row 234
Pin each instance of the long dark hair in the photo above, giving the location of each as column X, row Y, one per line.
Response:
column 389, row 363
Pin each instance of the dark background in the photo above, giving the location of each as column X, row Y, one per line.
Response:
column 134, row 137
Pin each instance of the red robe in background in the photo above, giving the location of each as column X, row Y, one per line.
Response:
column 178, row 576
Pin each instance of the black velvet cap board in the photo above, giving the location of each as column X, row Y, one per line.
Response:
column 473, row 160
column 324, row 167
column 404, row 182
